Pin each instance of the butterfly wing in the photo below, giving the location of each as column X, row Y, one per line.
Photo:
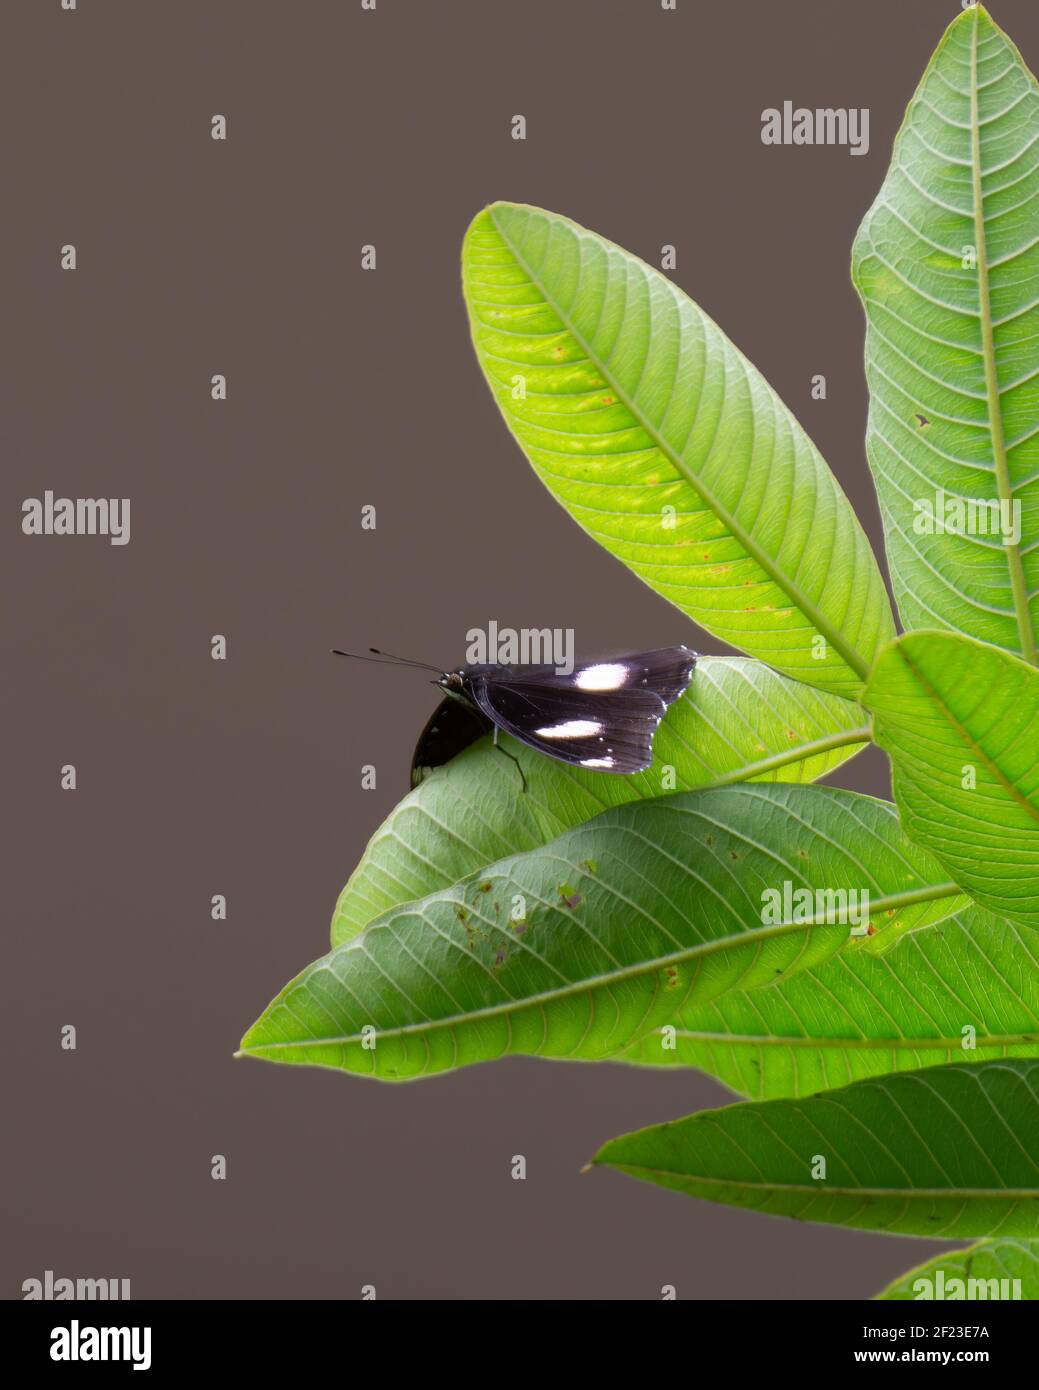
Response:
column 602, row 716
column 451, row 728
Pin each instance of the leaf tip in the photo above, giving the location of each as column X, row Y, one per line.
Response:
column 974, row 14
column 246, row 1048
column 969, row 14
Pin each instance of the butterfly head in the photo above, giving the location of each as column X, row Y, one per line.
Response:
column 451, row 681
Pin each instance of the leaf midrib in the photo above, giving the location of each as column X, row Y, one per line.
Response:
column 1015, row 563
column 798, row 753
column 1017, row 1194
column 852, row 658
column 855, row 1044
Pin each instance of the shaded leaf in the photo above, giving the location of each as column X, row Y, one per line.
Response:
column 948, row 1152
column 575, row 949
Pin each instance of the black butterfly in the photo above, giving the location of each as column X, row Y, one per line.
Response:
column 601, row 716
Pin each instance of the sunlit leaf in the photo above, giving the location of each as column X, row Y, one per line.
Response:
column 960, row 720
column 964, row 990
column 947, row 263
column 669, row 447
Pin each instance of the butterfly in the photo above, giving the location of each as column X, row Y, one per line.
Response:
column 601, row 716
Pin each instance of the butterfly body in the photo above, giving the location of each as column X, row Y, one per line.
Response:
column 601, row 716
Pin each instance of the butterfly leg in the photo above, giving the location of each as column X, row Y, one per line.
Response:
column 512, row 756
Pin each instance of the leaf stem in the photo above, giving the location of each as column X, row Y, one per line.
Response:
column 799, row 754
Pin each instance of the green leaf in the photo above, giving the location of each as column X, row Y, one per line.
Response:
column 575, row 949
column 737, row 721
column 972, row 982
column 1002, row 1269
column 952, row 348
column 669, row 448
column 947, row 1153
column 960, row 721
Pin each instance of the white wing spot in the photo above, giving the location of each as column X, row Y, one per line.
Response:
column 608, row 676
column 570, row 728
column 596, row 762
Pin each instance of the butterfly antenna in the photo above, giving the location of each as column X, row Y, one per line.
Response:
column 405, row 660
column 386, row 659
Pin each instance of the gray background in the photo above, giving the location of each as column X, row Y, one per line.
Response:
column 242, row 777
